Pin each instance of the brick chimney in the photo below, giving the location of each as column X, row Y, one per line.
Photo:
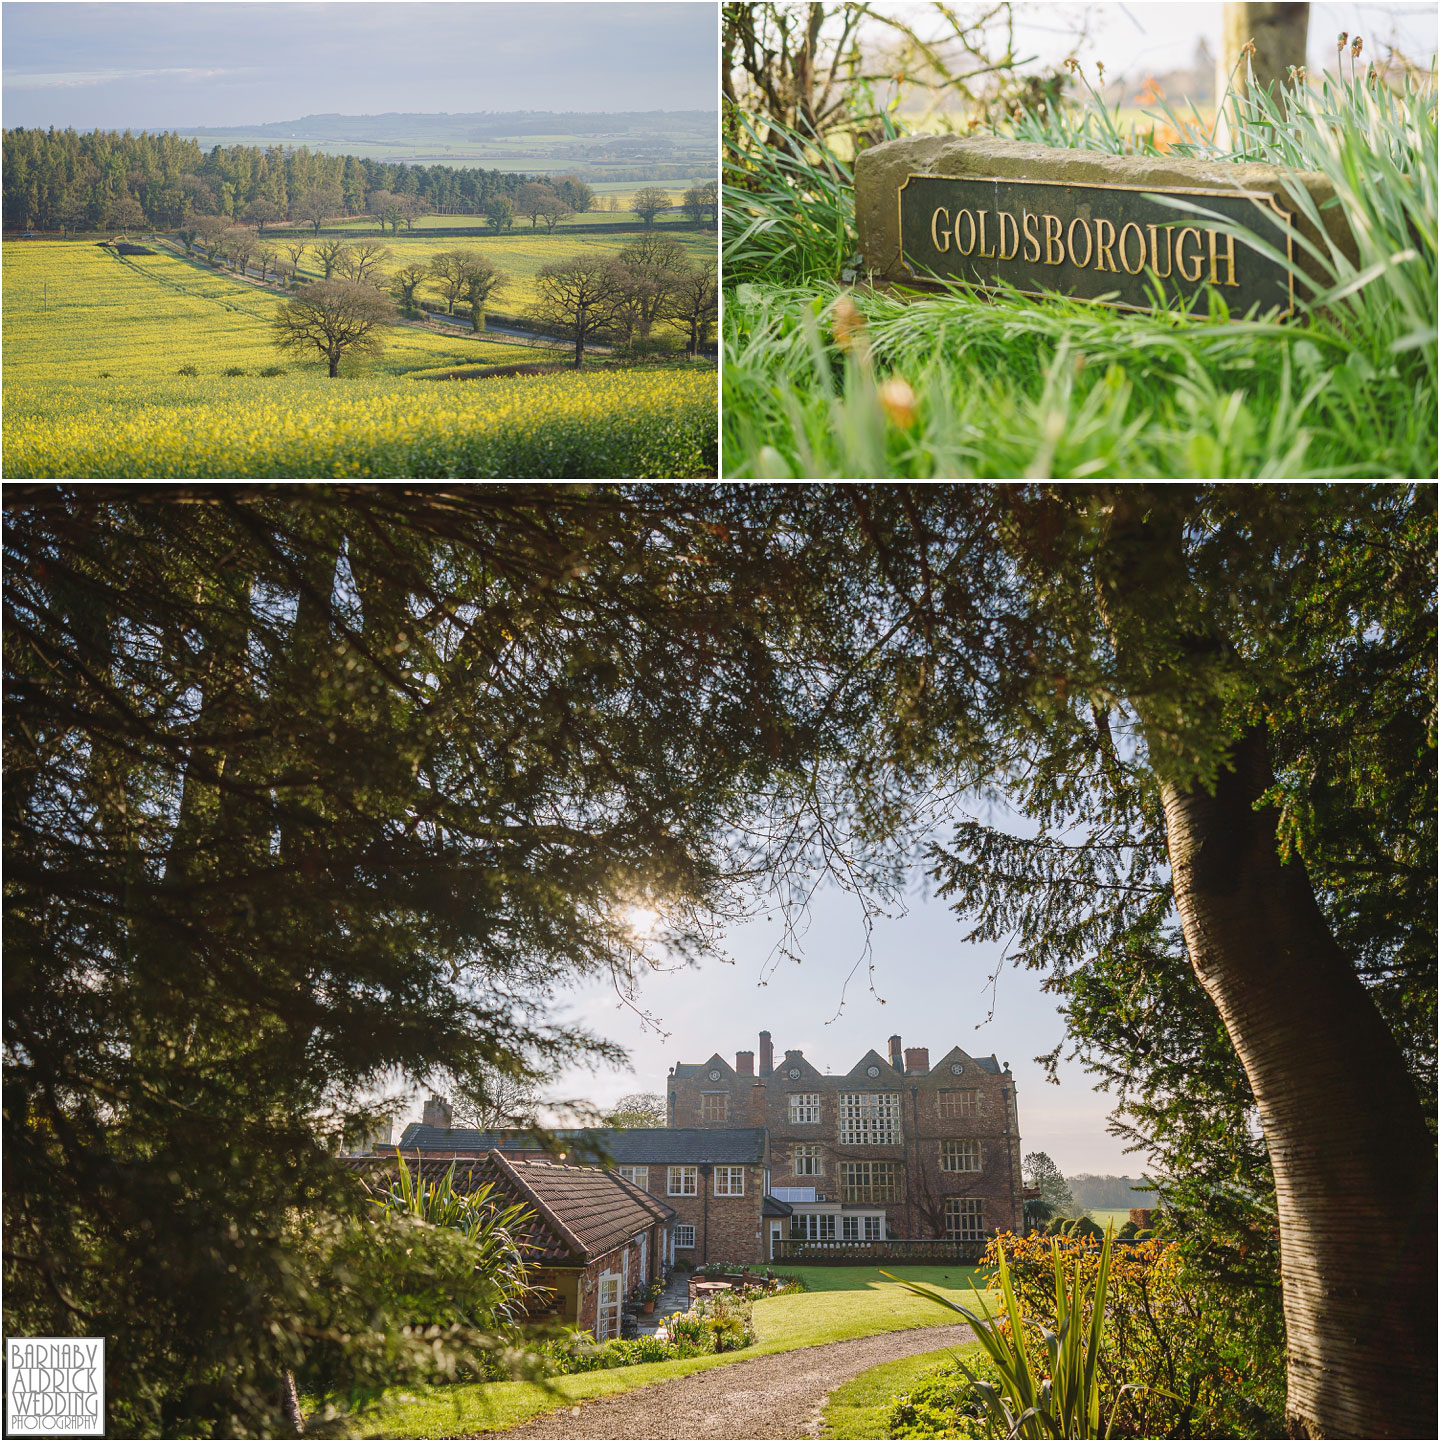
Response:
column 917, row 1058
column 744, row 1063
column 757, row 1103
column 437, row 1114
column 895, row 1054
column 767, row 1054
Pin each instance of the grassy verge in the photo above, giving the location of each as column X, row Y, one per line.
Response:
column 861, row 1408
column 845, row 1302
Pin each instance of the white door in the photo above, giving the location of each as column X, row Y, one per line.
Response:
column 644, row 1256
column 774, row 1237
column 607, row 1313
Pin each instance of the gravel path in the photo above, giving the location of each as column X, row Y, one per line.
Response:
column 778, row 1396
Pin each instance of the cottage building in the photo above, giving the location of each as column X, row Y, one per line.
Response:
column 593, row 1237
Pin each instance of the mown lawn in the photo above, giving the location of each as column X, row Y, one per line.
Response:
column 844, row 1302
column 861, row 1408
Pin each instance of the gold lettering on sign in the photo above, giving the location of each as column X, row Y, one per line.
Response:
column 1104, row 239
column 1140, row 262
column 1155, row 252
column 1089, row 243
column 1028, row 225
column 940, row 238
column 964, row 249
column 1228, row 258
column 1052, row 241
column 1015, row 233
column 984, row 254
column 1180, row 253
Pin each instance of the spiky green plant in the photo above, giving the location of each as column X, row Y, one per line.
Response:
column 1056, row 1394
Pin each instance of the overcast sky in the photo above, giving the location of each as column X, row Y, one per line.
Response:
column 193, row 64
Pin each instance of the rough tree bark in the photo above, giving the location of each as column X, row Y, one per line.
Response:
column 1354, row 1165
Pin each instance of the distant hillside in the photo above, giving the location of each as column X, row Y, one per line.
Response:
column 653, row 145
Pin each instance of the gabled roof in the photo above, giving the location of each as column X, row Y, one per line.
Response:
column 795, row 1061
column 964, row 1059
column 872, row 1058
column 578, row 1213
column 774, row 1207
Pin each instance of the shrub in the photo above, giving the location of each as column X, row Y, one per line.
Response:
column 273, row 371
column 234, row 371
column 188, row 370
column 1191, row 1365
column 943, row 1403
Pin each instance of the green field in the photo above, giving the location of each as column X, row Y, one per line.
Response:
column 93, row 343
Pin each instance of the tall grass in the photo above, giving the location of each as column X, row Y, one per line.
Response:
column 1000, row 385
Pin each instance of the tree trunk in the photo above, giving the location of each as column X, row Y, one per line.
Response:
column 334, row 366
column 1280, row 32
column 579, row 349
column 1354, row 1164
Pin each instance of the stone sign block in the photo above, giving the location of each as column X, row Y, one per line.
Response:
column 933, row 209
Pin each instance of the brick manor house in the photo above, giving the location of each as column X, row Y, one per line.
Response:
column 894, row 1159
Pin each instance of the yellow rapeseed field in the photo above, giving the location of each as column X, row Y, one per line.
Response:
column 607, row 423
column 92, row 344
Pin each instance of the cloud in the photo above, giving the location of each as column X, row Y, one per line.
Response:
column 74, row 79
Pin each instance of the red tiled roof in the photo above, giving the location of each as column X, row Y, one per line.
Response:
column 579, row 1213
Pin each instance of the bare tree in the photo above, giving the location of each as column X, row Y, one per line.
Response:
column 242, row 247
column 295, row 249
column 449, row 269
column 329, row 252
column 639, row 1109
column 695, row 303
column 384, row 206
column 488, row 1100
column 267, row 257
column 211, row 230
column 648, row 202
column 362, row 261
column 406, row 281
column 651, row 268
column 482, row 280
column 336, row 318
column 552, row 211
column 317, row 204
column 581, row 297
column 530, row 199
column 262, row 211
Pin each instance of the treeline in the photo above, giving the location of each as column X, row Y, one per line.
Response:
column 101, row 179
column 1090, row 1190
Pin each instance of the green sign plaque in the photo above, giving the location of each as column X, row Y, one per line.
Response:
column 1108, row 243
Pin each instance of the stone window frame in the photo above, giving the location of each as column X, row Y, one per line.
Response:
column 812, row 1154
column 715, row 1106
column 867, row 1227
column 732, row 1174
column 685, row 1236
column 682, row 1174
column 965, row 1219
column 957, row 1104
column 803, row 1108
column 872, row 1188
column 636, row 1176
column 962, row 1154
column 869, row 1119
